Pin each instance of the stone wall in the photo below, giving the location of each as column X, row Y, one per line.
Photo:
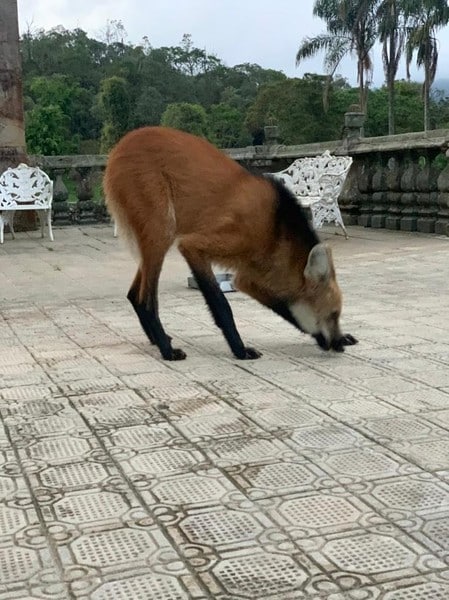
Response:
column 396, row 182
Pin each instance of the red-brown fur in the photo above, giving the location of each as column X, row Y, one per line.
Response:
column 162, row 184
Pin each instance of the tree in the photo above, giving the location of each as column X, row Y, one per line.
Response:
column 295, row 105
column 407, row 108
column 148, row 108
column 74, row 101
column 392, row 22
column 190, row 60
column 47, row 132
column 351, row 29
column 426, row 17
column 114, row 105
column 225, row 126
column 187, row 117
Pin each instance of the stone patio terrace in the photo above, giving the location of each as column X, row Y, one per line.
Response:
column 302, row 475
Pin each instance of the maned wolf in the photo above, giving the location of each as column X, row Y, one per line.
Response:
column 164, row 185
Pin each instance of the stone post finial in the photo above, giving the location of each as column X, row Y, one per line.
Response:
column 271, row 135
column 354, row 120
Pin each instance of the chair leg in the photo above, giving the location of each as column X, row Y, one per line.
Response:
column 342, row 225
column 2, row 225
column 339, row 220
column 115, row 229
column 10, row 221
column 50, row 230
column 40, row 214
column 315, row 217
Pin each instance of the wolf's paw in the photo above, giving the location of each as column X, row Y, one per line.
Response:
column 249, row 354
column 348, row 340
column 345, row 340
column 176, row 354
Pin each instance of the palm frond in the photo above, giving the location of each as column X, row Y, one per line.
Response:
column 311, row 46
column 335, row 54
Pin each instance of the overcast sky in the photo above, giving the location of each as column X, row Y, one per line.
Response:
column 266, row 32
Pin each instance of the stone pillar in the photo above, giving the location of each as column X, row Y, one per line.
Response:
column 354, row 121
column 12, row 131
column 271, row 135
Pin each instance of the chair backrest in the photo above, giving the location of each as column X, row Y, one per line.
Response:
column 304, row 175
column 25, row 185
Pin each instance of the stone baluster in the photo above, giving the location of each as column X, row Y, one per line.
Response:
column 85, row 206
column 393, row 180
column 365, row 189
column 442, row 222
column 409, row 218
column 100, row 210
column 379, row 183
column 349, row 199
column 61, row 211
column 426, row 194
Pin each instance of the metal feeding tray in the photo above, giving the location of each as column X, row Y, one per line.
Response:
column 224, row 280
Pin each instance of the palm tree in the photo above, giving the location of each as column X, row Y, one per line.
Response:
column 425, row 18
column 349, row 31
column 391, row 33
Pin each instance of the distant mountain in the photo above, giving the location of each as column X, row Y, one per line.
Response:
column 442, row 84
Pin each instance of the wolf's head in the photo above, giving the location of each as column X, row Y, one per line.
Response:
column 317, row 310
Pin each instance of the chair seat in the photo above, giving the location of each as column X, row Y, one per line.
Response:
column 23, row 207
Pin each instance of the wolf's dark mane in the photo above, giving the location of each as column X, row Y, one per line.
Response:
column 292, row 215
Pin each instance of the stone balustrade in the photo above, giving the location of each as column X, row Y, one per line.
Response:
column 396, row 182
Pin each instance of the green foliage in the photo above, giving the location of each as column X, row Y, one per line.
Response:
column 47, row 131
column 74, row 101
column 407, row 109
column 114, row 106
column 148, row 108
column 82, row 94
column 226, row 126
column 296, row 105
column 187, row 117
column 68, row 69
column 440, row 162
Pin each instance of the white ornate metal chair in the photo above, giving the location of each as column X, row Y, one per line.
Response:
column 25, row 188
column 317, row 182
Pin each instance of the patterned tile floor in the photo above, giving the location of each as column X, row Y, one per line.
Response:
column 301, row 475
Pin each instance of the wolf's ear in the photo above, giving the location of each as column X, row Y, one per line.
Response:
column 319, row 264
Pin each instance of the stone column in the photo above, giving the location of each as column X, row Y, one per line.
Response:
column 12, row 131
column 354, row 121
